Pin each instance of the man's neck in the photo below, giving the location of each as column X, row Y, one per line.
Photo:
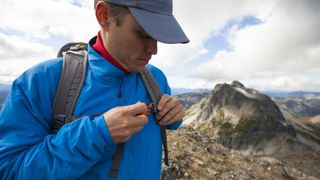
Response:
column 100, row 47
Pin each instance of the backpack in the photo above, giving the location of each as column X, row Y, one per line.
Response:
column 71, row 80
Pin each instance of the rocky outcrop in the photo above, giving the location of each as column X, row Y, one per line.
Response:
column 239, row 133
column 197, row 156
column 250, row 123
column 243, row 119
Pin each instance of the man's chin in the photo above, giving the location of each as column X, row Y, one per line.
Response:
column 138, row 69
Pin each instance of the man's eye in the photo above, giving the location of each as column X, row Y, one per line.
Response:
column 143, row 35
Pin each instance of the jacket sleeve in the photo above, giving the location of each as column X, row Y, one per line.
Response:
column 29, row 151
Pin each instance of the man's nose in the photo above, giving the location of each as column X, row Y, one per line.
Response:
column 152, row 46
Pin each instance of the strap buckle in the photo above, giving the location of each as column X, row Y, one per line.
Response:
column 59, row 121
column 152, row 108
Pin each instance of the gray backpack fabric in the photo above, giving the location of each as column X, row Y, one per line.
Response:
column 70, row 84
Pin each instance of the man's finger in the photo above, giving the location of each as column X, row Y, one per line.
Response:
column 175, row 118
column 139, row 120
column 138, row 108
column 170, row 105
column 170, row 114
column 138, row 123
column 163, row 101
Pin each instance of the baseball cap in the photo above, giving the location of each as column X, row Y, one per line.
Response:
column 156, row 18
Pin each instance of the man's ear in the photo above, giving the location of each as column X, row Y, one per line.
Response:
column 103, row 14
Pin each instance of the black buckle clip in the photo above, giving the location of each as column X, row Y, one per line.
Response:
column 59, row 121
column 152, row 108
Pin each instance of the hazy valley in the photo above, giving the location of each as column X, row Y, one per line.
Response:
column 4, row 90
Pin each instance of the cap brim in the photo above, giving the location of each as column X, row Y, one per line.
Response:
column 163, row 28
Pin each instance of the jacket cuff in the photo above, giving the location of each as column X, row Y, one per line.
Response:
column 174, row 125
column 100, row 123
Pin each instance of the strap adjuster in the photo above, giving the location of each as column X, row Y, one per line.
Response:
column 59, row 121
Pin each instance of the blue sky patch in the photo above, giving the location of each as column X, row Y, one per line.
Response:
column 11, row 32
column 56, row 41
column 249, row 21
column 76, row 3
column 218, row 41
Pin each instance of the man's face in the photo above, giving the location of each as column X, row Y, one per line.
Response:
column 130, row 44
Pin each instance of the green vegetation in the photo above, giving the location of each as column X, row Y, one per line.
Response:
column 226, row 129
column 246, row 125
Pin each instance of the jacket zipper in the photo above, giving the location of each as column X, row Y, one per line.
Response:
column 120, row 88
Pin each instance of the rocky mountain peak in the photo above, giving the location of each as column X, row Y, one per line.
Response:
column 237, row 84
column 242, row 118
column 233, row 130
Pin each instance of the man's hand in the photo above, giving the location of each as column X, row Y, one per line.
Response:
column 170, row 110
column 123, row 121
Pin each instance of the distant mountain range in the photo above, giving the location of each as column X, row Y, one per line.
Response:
column 189, row 97
column 283, row 94
column 303, row 103
column 271, row 93
column 177, row 91
column 4, row 90
column 4, row 87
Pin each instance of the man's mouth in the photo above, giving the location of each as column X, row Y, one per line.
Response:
column 145, row 60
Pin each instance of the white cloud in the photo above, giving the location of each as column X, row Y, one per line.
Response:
column 25, row 25
column 281, row 52
column 39, row 19
column 286, row 45
column 16, row 55
column 201, row 20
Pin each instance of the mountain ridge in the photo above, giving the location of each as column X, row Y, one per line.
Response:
column 244, row 119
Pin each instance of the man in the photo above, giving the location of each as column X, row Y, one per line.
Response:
column 84, row 148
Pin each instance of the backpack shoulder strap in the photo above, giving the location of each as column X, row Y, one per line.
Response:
column 70, row 84
column 152, row 87
column 155, row 94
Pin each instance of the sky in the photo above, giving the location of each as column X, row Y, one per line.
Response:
column 266, row 45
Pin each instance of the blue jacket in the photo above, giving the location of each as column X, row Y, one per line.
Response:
column 84, row 148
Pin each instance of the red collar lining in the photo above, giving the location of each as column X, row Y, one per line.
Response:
column 98, row 46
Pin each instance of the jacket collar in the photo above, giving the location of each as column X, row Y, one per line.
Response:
column 99, row 67
column 99, row 47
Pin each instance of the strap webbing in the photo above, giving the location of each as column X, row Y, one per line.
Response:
column 155, row 94
column 116, row 161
